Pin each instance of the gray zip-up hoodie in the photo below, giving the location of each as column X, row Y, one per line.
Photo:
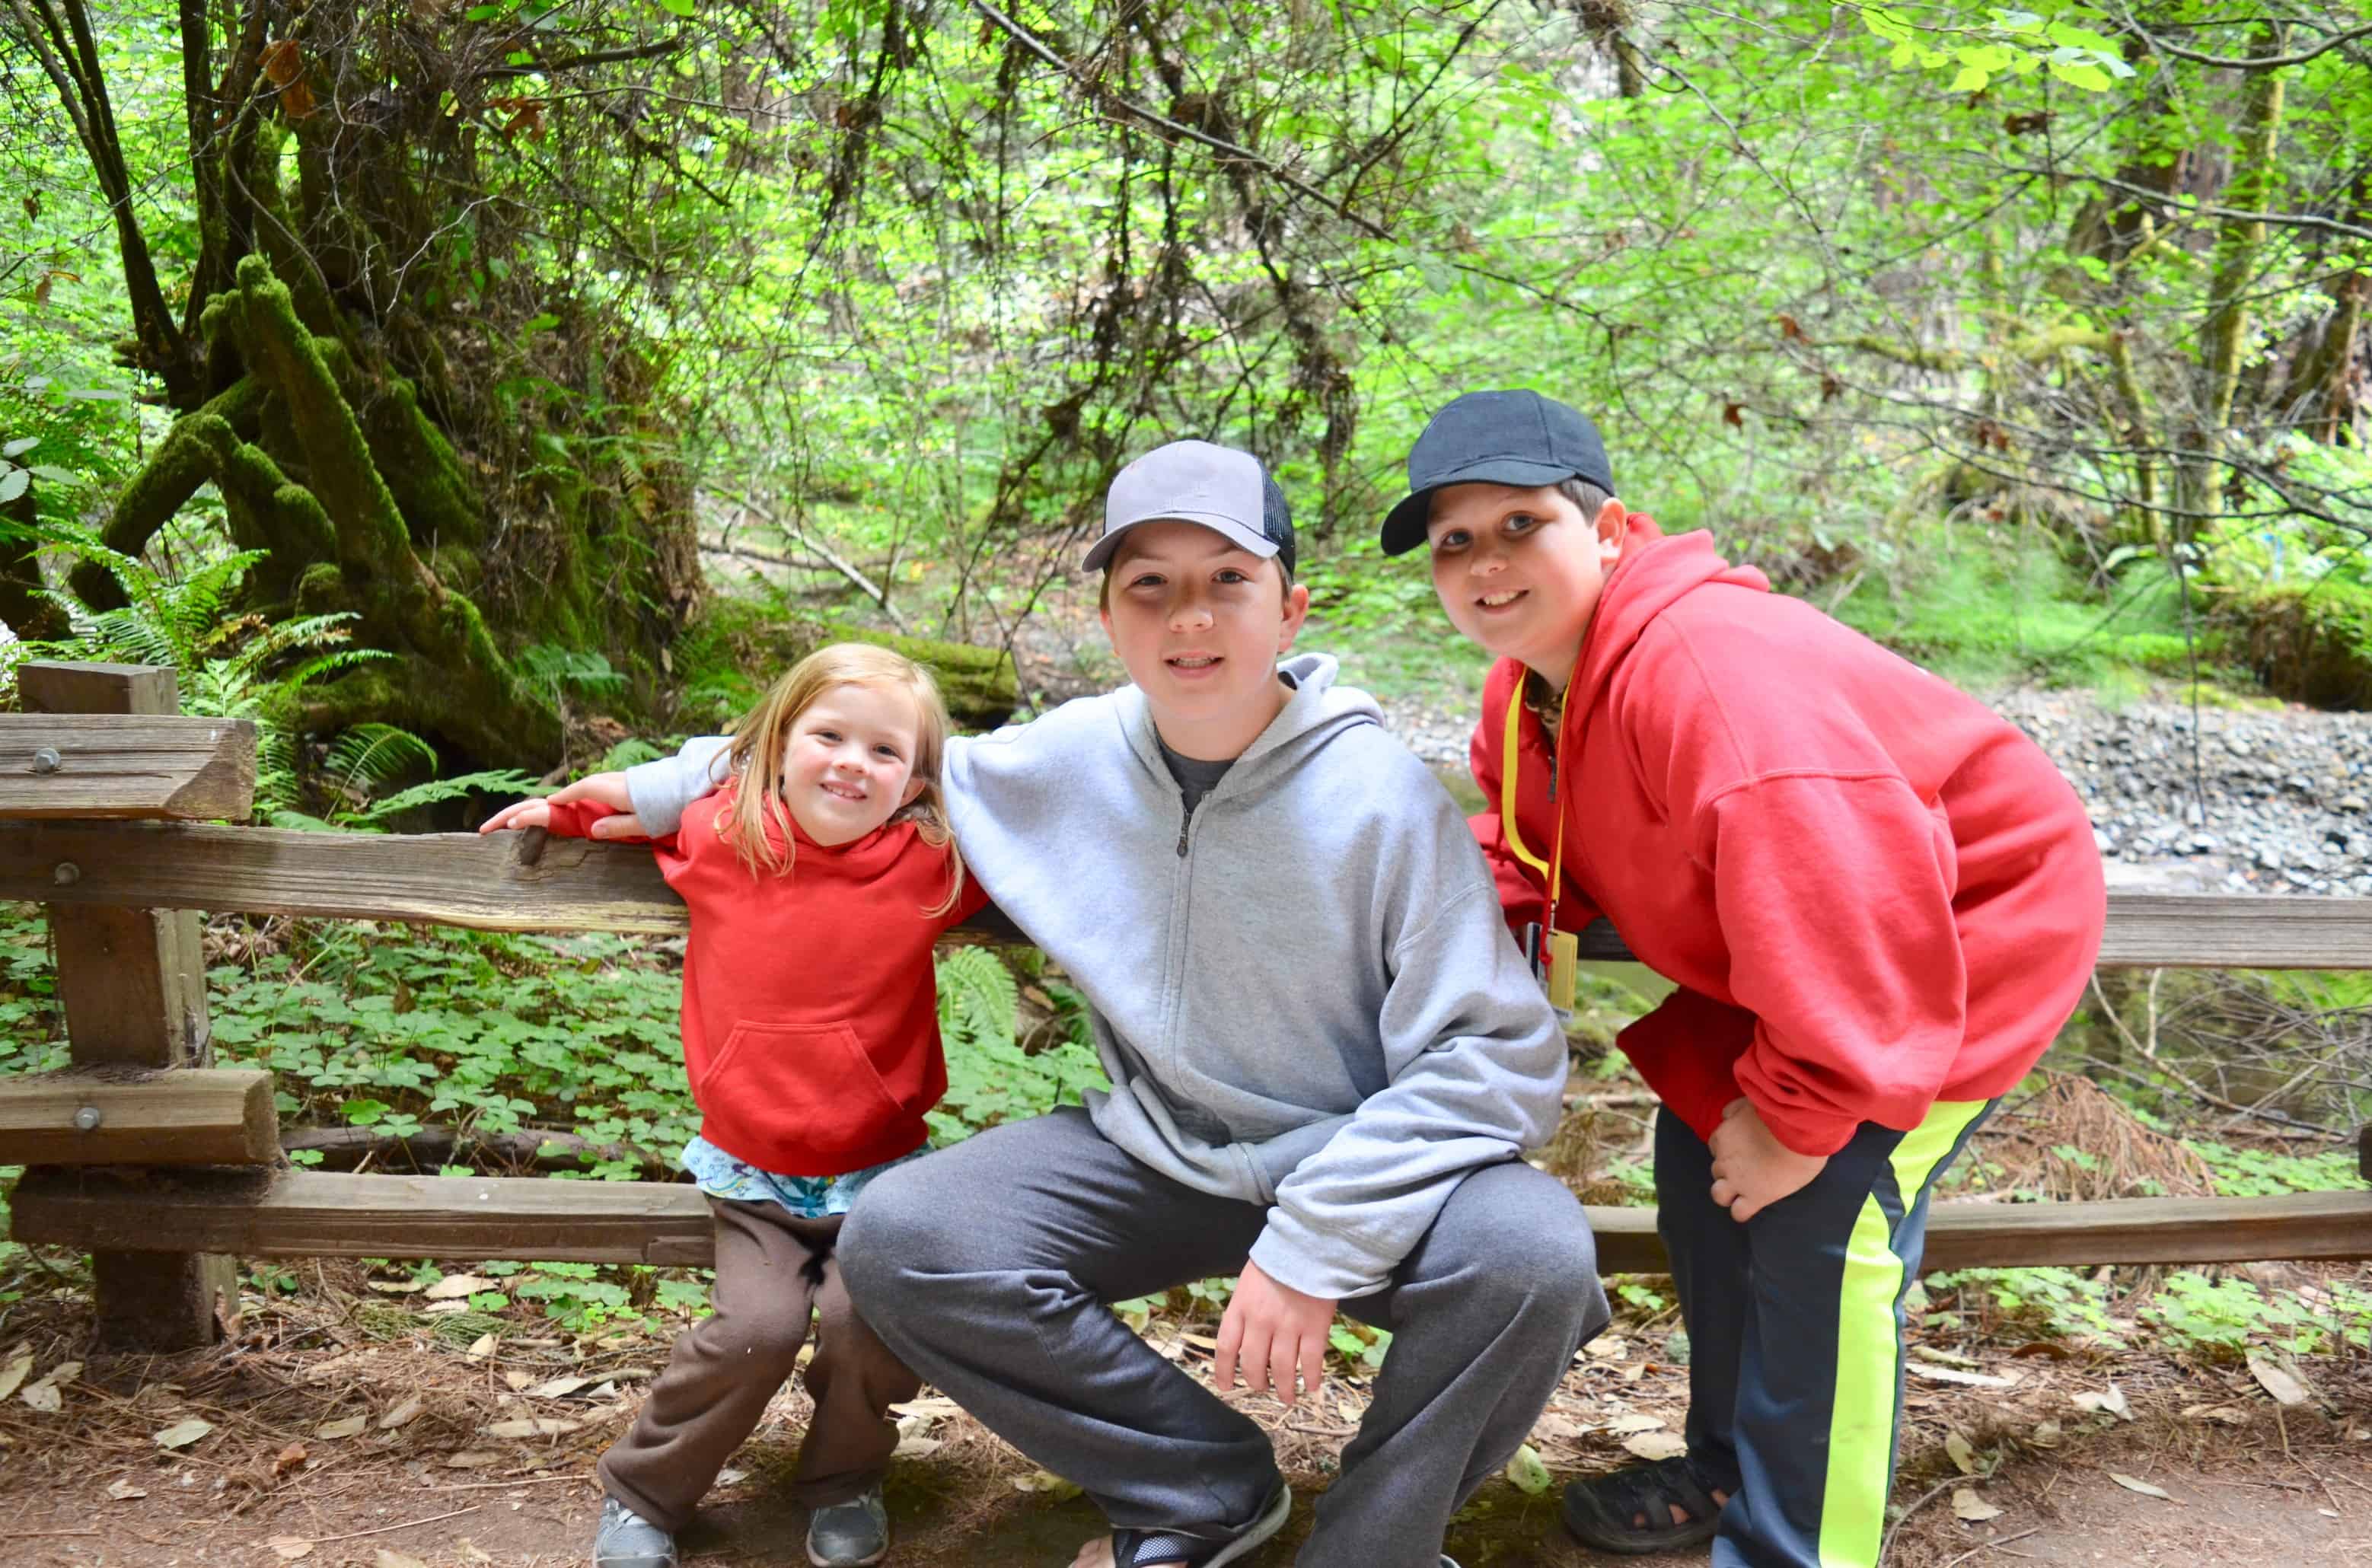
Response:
column 1305, row 993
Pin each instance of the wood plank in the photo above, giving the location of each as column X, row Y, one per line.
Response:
column 312, row 1214
column 578, row 885
column 94, row 765
column 468, row 879
column 103, row 1115
column 133, row 986
column 308, row 1213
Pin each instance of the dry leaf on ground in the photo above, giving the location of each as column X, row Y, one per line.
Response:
column 408, row 1411
column 480, row 1347
column 181, row 1433
column 2046, row 1435
column 383, row 1558
column 43, row 1396
column 1653, row 1445
column 2112, row 1403
column 2144, row 1488
column 290, row 1548
column 1954, row 1375
column 1046, row 1481
column 453, row 1287
column 472, row 1460
column 1623, row 1425
column 2222, row 1415
column 541, row 1426
column 914, row 1448
column 289, row 1459
column 1964, row 1458
column 124, row 1489
column 351, row 1426
column 14, row 1373
column 1607, row 1347
column 559, row 1388
column 2282, row 1382
column 1966, row 1505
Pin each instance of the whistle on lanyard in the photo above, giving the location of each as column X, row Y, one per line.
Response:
column 1554, row 963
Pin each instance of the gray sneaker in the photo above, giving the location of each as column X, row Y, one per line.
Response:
column 626, row 1540
column 850, row 1534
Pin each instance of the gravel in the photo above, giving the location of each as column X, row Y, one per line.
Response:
column 2277, row 799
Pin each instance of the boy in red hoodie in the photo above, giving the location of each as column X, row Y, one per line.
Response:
column 1879, row 899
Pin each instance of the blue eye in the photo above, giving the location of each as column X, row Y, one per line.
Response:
column 1230, row 577
column 1451, row 540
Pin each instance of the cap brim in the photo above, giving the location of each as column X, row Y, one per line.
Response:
column 1404, row 525
column 1234, row 532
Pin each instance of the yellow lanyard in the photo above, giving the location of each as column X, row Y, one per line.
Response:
column 1563, row 948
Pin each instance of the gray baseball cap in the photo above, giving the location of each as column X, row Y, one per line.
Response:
column 1228, row 491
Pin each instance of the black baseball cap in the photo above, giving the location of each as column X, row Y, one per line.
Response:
column 1518, row 438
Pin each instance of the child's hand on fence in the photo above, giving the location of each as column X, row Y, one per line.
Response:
column 1751, row 1168
column 603, row 789
column 519, row 814
column 1274, row 1331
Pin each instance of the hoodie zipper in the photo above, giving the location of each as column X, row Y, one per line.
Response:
column 1185, row 822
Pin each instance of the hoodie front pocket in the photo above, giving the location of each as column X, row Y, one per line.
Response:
column 814, row 1086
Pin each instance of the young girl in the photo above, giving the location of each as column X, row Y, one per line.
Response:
column 818, row 879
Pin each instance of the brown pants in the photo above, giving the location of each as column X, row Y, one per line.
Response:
column 727, row 1368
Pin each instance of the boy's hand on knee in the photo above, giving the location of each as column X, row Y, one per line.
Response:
column 1751, row 1168
column 604, row 789
column 1274, row 1331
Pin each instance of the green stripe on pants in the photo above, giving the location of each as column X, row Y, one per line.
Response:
column 1870, row 1348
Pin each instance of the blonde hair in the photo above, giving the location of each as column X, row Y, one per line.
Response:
column 757, row 756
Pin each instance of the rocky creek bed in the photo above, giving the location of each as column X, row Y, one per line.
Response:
column 2268, row 800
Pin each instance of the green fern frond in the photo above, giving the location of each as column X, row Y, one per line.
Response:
column 370, row 755
column 979, row 1002
column 504, row 781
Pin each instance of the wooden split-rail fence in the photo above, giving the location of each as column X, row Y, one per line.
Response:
column 165, row 1168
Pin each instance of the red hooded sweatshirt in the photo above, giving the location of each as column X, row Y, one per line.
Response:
column 1874, row 892
column 810, row 1010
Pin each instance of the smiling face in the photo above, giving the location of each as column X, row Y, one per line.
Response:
column 849, row 761
column 1199, row 622
column 1520, row 571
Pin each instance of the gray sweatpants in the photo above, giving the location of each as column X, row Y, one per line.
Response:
column 987, row 1266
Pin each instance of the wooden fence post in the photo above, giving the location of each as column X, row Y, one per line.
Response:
column 133, row 984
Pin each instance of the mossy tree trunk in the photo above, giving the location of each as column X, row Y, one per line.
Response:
column 2239, row 244
column 339, row 369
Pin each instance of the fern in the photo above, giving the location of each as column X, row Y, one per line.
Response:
column 979, row 1003
column 371, row 756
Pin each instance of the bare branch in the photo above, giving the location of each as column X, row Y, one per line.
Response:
column 1029, row 41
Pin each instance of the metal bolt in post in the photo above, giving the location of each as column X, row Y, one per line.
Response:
column 46, row 760
column 66, row 874
column 88, row 1118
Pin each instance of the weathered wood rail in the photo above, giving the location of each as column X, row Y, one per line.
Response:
column 166, row 1169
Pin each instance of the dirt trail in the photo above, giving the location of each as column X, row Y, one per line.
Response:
column 2248, row 1484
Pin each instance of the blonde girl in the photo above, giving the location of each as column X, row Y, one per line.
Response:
column 818, row 879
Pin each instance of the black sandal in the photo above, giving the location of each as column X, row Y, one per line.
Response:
column 1599, row 1510
column 1133, row 1547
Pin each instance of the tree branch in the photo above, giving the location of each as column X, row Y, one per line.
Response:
column 2243, row 63
column 1029, row 41
column 2206, row 209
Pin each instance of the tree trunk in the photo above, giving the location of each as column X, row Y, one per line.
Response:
column 2238, row 244
column 316, row 370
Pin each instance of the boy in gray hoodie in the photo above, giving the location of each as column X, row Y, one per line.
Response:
column 1326, row 1057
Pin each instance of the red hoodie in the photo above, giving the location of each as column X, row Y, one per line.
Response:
column 810, row 1010
column 1874, row 892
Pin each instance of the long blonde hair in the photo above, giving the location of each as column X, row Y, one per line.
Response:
column 757, row 756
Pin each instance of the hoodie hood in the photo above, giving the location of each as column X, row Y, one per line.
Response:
column 1318, row 712
column 1654, row 573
